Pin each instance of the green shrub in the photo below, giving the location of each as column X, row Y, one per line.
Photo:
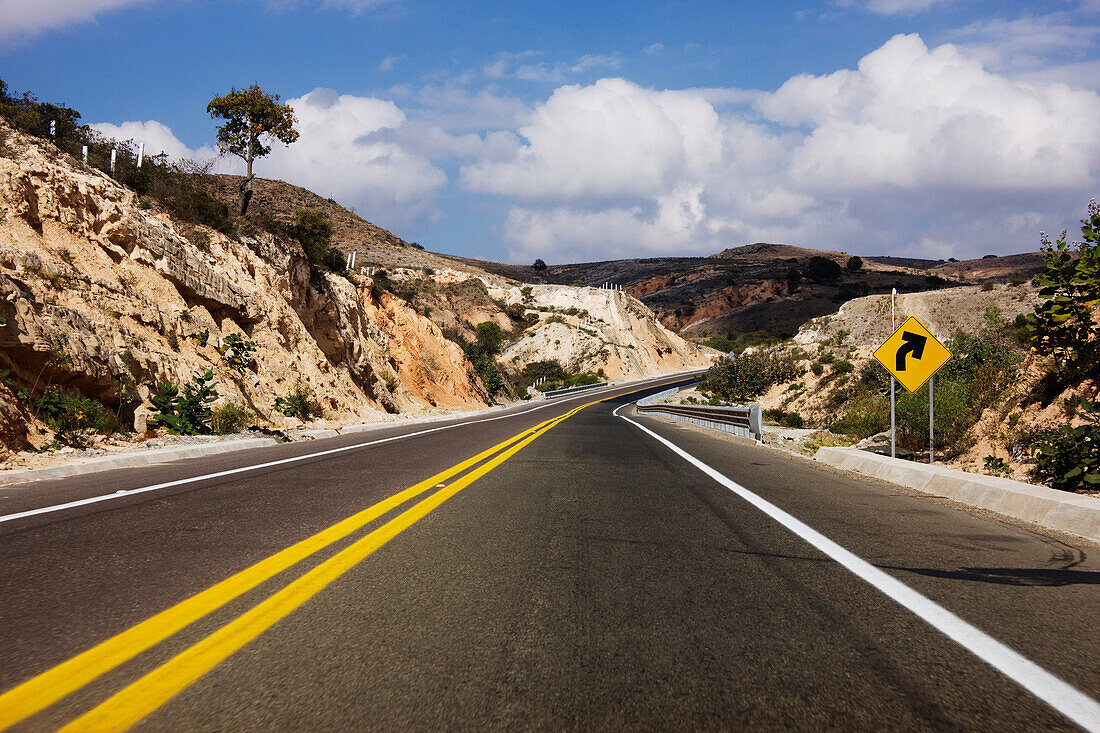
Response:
column 186, row 413
column 785, row 419
column 1062, row 323
column 749, row 375
column 489, row 336
column 843, row 366
column 817, row 368
column 314, row 231
column 1068, row 458
column 863, row 414
column 299, row 404
column 68, row 413
column 229, row 418
column 237, row 352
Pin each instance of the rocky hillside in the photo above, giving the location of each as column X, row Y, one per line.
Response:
column 103, row 295
column 1026, row 398
column 738, row 290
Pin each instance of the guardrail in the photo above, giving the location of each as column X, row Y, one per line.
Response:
column 568, row 390
column 658, row 396
column 747, row 422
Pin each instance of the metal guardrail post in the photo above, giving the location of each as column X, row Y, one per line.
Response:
column 756, row 421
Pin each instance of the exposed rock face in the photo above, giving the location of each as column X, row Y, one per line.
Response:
column 591, row 329
column 100, row 294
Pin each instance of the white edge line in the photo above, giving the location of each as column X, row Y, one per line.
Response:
column 1063, row 697
column 294, row 459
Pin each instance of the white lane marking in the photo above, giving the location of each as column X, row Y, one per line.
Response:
column 243, row 469
column 1066, row 699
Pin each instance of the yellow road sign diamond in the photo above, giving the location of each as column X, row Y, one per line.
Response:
column 912, row 354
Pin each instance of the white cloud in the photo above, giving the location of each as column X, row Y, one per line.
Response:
column 389, row 62
column 24, row 18
column 915, row 150
column 653, row 49
column 336, row 156
column 1052, row 47
column 894, row 7
column 610, row 139
column 526, row 67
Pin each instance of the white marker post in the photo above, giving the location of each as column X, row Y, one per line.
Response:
column 141, row 154
column 893, row 425
column 114, row 152
column 84, row 153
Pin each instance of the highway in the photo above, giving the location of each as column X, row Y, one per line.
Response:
column 561, row 565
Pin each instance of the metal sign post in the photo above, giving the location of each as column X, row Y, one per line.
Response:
column 931, row 422
column 893, row 382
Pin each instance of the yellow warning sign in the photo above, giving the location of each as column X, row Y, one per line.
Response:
column 912, row 354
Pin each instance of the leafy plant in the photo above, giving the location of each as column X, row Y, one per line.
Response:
column 1068, row 458
column 186, row 412
column 200, row 339
column 229, row 418
column 749, row 375
column 1062, row 323
column 996, row 466
column 68, row 413
column 237, row 352
column 299, row 404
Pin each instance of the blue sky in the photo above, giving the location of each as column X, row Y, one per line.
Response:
column 578, row 131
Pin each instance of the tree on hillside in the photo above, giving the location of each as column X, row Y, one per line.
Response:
column 252, row 118
column 823, row 270
column 855, row 264
column 539, row 266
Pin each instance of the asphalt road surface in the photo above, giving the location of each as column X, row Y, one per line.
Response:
column 574, row 566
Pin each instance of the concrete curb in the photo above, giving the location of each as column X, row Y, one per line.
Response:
column 132, row 459
column 1073, row 513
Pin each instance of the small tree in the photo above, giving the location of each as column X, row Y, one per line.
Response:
column 252, row 118
column 855, row 264
column 539, row 266
column 1063, row 323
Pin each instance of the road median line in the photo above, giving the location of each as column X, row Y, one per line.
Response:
column 41, row 691
column 131, row 704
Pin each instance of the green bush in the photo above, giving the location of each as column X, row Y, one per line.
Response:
column 299, row 404
column 863, row 414
column 229, row 418
column 1062, row 323
column 490, row 336
column 186, row 413
column 749, row 375
column 238, row 352
column 68, row 413
column 843, row 366
column 785, row 419
column 314, row 231
column 1068, row 458
column 817, row 368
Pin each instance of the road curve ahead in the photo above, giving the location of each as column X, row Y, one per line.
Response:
column 572, row 566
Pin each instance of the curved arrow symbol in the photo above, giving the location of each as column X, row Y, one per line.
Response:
column 914, row 344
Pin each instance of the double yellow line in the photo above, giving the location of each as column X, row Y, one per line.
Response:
column 148, row 693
